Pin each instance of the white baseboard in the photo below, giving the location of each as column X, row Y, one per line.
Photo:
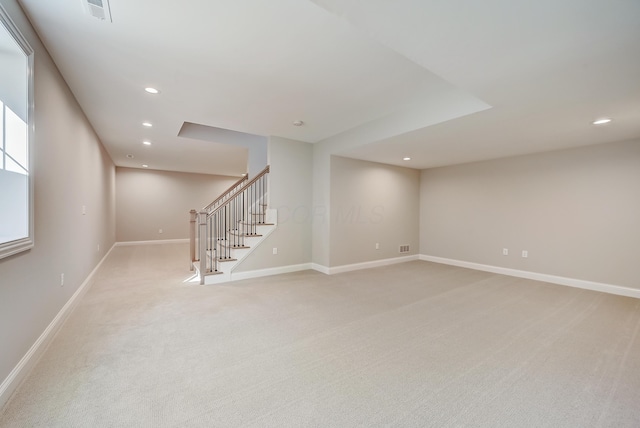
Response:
column 561, row 280
column 237, row 276
column 363, row 265
column 22, row 369
column 320, row 268
column 155, row 242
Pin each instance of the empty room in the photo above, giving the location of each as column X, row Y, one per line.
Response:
column 319, row 213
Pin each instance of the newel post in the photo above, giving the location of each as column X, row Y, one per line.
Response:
column 192, row 237
column 202, row 233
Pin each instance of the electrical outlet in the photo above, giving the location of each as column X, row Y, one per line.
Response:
column 98, row 247
column 159, row 230
column 525, row 253
column 275, row 250
column 505, row 251
column 61, row 279
column 377, row 246
column 84, row 210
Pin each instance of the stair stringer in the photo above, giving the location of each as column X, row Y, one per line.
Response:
column 252, row 242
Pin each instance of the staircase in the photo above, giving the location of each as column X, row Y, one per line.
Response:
column 227, row 230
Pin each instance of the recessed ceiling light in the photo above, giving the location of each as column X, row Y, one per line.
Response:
column 406, row 158
column 298, row 123
column 147, row 124
column 152, row 90
column 602, row 121
column 146, row 143
column 145, row 166
column 130, row 156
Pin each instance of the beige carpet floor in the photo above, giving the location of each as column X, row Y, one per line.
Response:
column 411, row 345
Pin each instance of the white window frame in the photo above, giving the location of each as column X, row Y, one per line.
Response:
column 21, row 244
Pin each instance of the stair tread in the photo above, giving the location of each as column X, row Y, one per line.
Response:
column 244, row 234
column 228, row 243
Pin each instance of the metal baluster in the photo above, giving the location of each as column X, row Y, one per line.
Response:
column 251, row 208
column 217, row 240
column 226, row 230
column 261, row 199
column 253, row 204
column 236, row 221
column 242, row 219
column 223, row 230
column 214, row 250
column 222, row 234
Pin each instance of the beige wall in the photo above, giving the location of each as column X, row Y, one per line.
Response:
column 290, row 183
column 372, row 203
column 150, row 200
column 70, row 169
column 577, row 213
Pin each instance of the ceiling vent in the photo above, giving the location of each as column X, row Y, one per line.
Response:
column 98, row 9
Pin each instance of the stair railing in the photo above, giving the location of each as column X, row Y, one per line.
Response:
column 226, row 195
column 225, row 226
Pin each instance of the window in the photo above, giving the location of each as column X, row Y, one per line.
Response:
column 16, row 134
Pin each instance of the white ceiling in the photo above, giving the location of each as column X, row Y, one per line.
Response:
column 441, row 81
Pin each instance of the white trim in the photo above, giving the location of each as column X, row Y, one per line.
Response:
column 237, row 276
column 25, row 243
column 368, row 265
column 561, row 280
column 155, row 242
column 320, row 268
column 22, row 369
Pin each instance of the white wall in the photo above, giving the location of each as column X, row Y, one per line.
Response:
column 71, row 169
column 577, row 213
column 372, row 203
column 290, row 183
column 150, row 200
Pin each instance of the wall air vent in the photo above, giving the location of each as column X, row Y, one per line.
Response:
column 404, row 248
column 98, row 9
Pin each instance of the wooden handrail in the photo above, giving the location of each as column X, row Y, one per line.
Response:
column 225, row 193
column 242, row 189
